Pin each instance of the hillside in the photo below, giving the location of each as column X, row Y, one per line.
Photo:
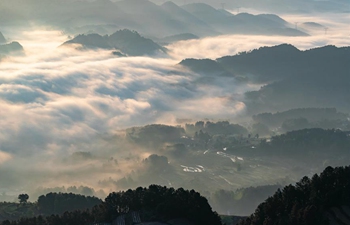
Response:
column 11, row 48
column 152, row 205
column 46, row 205
column 153, row 20
column 242, row 23
column 128, row 42
column 296, row 119
column 293, row 78
column 322, row 199
column 178, row 37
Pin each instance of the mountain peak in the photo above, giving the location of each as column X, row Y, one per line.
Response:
column 127, row 41
column 169, row 4
column 13, row 47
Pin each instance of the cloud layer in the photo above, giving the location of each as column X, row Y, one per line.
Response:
column 56, row 101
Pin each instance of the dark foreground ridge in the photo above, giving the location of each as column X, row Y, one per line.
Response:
column 153, row 205
column 323, row 199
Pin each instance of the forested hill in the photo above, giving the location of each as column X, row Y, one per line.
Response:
column 128, row 42
column 51, row 203
column 293, row 78
column 313, row 147
column 268, row 64
column 317, row 201
column 311, row 114
column 154, row 204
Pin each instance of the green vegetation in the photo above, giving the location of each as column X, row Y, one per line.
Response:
column 128, row 42
column 156, row 203
column 294, row 79
column 58, row 203
column 51, row 203
column 14, row 211
column 307, row 202
column 311, row 114
column 308, row 141
column 154, row 135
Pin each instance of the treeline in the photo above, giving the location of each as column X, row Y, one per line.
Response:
column 307, row 202
column 58, row 203
column 303, row 118
column 157, row 202
column 164, row 203
column 311, row 114
column 51, row 203
column 216, row 128
column 154, row 135
column 309, row 141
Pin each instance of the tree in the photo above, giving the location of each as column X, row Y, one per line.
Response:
column 23, row 198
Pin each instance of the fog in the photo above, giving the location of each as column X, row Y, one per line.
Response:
column 58, row 101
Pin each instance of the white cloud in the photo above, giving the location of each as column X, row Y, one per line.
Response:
column 56, row 101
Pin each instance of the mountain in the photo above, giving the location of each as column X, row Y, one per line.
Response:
column 242, row 23
column 144, row 16
column 163, row 20
column 322, row 199
column 190, row 23
column 292, row 78
column 314, row 115
column 2, row 39
column 11, row 48
column 288, row 6
column 128, row 42
column 178, row 37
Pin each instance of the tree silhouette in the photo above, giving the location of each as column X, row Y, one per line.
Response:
column 23, row 198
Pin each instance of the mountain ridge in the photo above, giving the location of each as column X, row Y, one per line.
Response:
column 129, row 42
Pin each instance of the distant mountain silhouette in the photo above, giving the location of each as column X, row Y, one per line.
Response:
column 242, row 23
column 163, row 20
column 2, row 39
column 178, row 37
column 313, row 24
column 311, row 114
column 294, row 79
column 13, row 47
column 144, row 16
column 128, row 42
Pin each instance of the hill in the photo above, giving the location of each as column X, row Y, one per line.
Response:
column 323, row 199
column 153, row 20
column 11, row 48
column 296, row 119
column 46, row 205
column 128, row 42
column 153, row 205
column 178, row 37
column 293, row 78
column 242, row 23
